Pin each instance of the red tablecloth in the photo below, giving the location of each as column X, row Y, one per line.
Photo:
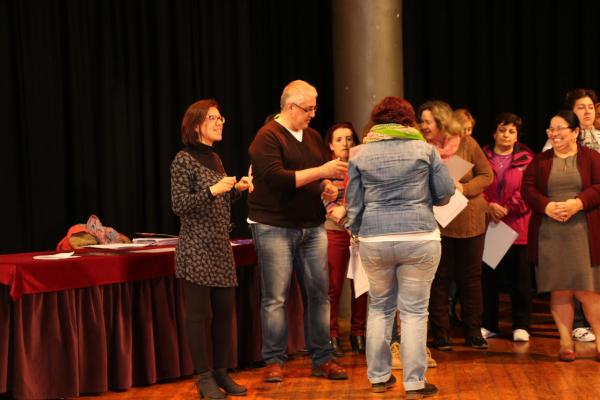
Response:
column 100, row 322
column 93, row 267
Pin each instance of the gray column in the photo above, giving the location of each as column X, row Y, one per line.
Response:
column 367, row 56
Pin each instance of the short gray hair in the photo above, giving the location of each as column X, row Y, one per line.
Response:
column 296, row 92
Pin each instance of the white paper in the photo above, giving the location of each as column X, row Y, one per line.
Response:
column 457, row 167
column 155, row 250
column 445, row 214
column 57, row 256
column 498, row 239
column 117, row 246
column 156, row 241
column 357, row 273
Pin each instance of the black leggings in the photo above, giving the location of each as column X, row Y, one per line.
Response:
column 210, row 325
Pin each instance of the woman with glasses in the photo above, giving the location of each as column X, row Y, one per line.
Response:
column 508, row 159
column 201, row 193
column 562, row 187
column 339, row 139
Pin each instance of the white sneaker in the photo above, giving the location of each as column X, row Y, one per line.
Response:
column 396, row 356
column 583, row 335
column 487, row 334
column 520, row 335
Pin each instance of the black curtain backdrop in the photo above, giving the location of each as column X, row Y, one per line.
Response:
column 501, row 55
column 93, row 92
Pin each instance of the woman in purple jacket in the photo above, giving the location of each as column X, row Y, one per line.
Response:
column 508, row 159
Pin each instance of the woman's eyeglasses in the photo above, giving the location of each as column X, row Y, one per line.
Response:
column 216, row 118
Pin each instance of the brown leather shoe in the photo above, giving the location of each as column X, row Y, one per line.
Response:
column 273, row 373
column 330, row 370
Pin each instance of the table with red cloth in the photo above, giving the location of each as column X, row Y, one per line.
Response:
column 111, row 320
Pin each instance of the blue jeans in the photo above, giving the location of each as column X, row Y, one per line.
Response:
column 304, row 251
column 400, row 276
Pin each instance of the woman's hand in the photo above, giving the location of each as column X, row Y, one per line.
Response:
column 458, row 186
column 497, row 212
column 555, row 211
column 337, row 213
column 569, row 208
column 223, row 186
column 330, row 191
column 245, row 184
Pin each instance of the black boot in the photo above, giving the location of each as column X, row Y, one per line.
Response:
column 337, row 349
column 358, row 344
column 207, row 387
column 227, row 384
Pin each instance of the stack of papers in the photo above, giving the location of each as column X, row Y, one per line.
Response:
column 147, row 241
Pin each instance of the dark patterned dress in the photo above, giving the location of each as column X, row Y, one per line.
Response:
column 203, row 255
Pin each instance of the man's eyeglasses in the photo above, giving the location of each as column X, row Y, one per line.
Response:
column 307, row 110
column 557, row 129
column 216, row 118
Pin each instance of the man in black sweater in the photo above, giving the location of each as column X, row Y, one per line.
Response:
column 286, row 216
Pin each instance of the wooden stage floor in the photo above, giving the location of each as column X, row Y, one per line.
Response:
column 506, row 370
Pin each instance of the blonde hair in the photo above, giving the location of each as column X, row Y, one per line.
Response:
column 296, row 92
column 443, row 116
column 462, row 115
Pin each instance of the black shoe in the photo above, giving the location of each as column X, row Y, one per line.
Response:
column 441, row 343
column 225, row 382
column 358, row 344
column 337, row 349
column 428, row 390
column 383, row 386
column 207, row 387
column 477, row 342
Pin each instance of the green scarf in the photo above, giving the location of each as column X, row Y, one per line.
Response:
column 392, row 131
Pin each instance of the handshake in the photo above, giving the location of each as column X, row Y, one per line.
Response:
column 229, row 182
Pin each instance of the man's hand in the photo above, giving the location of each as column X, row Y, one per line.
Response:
column 458, row 186
column 223, row 186
column 245, row 184
column 333, row 169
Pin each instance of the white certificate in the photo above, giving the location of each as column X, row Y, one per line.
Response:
column 356, row 272
column 457, row 167
column 445, row 214
column 498, row 239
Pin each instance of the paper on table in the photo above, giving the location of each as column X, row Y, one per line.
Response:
column 357, row 273
column 155, row 250
column 117, row 246
column 445, row 214
column 457, row 167
column 57, row 256
column 498, row 239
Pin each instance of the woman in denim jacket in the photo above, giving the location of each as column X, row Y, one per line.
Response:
column 394, row 180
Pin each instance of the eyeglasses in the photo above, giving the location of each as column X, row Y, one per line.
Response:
column 557, row 129
column 216, row 118
column 307, row 110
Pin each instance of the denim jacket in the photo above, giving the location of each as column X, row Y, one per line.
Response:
column 392, row 187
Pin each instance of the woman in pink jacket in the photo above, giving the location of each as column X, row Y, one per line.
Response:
column 508, row 159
